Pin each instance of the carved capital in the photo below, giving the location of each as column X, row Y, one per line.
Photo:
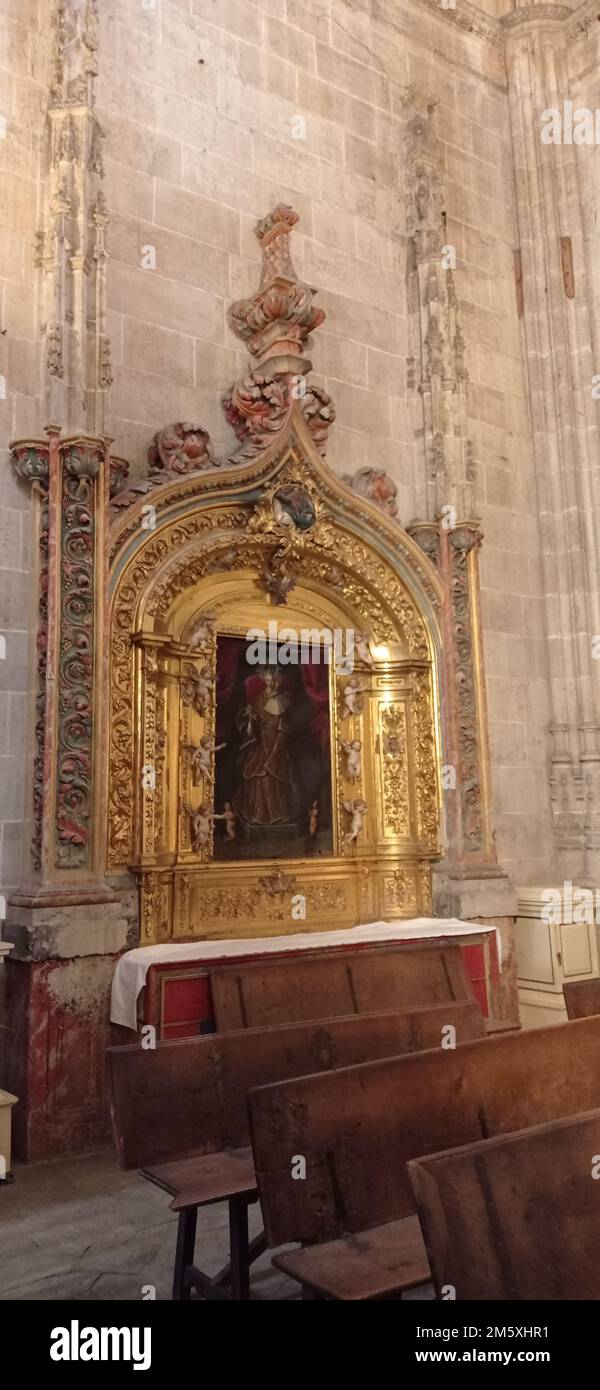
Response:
column 467, row 536
column 427, row 536
column 30, row 461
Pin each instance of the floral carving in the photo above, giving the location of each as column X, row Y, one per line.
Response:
column 396, row 809
column 76, row 659
column 377, row 486
column 180, row 448
column 277, row 321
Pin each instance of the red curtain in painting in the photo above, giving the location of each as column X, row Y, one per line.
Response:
column 315, row 678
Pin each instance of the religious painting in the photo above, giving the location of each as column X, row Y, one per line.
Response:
column 292, row 505
column 272, row 756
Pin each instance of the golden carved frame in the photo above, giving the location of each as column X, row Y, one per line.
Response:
column 355, row 568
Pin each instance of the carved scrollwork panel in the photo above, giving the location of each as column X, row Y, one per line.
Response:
column 424, row 758
column 395, row 777
column 400, row 898
column 76, row 661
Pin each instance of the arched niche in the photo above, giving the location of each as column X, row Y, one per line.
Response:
column 219, row 545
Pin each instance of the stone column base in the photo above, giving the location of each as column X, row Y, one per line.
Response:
column 57, row 1008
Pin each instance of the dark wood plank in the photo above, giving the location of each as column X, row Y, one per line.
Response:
column 362, row 1266
column 516, row 1217
column 582, row 998
column 185, row 1098
column 337, row 983
column 358, row 1127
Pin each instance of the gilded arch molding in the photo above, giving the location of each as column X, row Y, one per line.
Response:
column 214, row 545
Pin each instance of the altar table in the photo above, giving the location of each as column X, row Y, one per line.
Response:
column 176, row 976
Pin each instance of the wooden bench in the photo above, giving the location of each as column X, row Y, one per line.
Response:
column 582, row 998
column 338, row 983
column 358, row 1128
column 516, row 1217
column 180, row 1112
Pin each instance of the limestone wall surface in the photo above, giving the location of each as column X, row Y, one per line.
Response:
column 216, row 110
column 23, row 100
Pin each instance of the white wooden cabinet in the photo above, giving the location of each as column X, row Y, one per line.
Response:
column 548, row 953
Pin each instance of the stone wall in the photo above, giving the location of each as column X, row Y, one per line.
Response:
column 23, row 100
column 214, row 112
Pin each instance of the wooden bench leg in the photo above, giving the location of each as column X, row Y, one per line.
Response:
column 184, row 1252
column 238, row 1243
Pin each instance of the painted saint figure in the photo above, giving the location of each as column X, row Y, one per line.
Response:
column 267, row 795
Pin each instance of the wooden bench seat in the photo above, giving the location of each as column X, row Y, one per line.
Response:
column 516, row 1217
column 358, row 1128
column 258, row 994
column 180, row 1110
column 362, row 1265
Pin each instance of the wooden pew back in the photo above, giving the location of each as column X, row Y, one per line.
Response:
column 517, row 1217
column 337, row 984
column 190, row 1097
column 582, row 998
column 357, row 1128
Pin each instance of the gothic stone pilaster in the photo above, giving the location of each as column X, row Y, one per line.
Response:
column 71, row 480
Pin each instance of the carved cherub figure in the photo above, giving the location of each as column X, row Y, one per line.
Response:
column 362, row 647
column 201, row 820
column 352, row 697
column 352, row 751
column 196, row 688
column 202, row 633
column 356, row 810
column 229, row 816
column 201, row 757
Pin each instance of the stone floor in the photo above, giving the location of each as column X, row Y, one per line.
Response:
column 80, row 1228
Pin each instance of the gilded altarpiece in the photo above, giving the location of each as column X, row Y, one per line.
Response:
column 228, row 557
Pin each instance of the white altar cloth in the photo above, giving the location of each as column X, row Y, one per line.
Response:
column 131, row 970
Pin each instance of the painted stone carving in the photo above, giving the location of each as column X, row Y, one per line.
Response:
column 180, row 448
column 377, row 486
